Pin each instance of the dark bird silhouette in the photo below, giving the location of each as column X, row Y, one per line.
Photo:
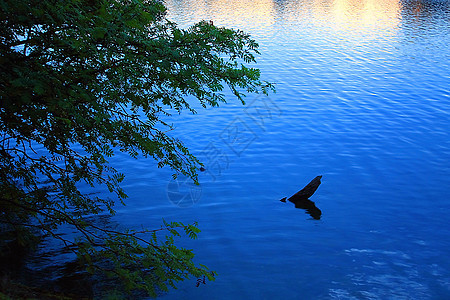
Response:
column 300, row 199
column 308, row 190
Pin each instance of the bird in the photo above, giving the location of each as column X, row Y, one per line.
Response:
column 300, row 199
column 307, row 191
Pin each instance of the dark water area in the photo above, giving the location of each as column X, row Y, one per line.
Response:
column 363, row 98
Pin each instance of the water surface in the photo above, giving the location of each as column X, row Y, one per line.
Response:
column 363, row 98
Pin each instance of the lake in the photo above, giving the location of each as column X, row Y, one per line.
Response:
column 363, row 98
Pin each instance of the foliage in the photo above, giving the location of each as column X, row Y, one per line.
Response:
column 81, row 79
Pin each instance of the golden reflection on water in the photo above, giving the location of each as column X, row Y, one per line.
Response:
column 369, row 14
column 257, row 12
column 346, row 16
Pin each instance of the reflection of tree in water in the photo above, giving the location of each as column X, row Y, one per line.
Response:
column 425, row 8
column 52, row 268
column 42, row 268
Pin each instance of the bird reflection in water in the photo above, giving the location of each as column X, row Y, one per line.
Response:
column 310, row 208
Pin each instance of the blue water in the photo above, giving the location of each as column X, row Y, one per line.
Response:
column 363, row 98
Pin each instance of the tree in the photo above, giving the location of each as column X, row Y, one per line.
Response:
column 82, row 79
